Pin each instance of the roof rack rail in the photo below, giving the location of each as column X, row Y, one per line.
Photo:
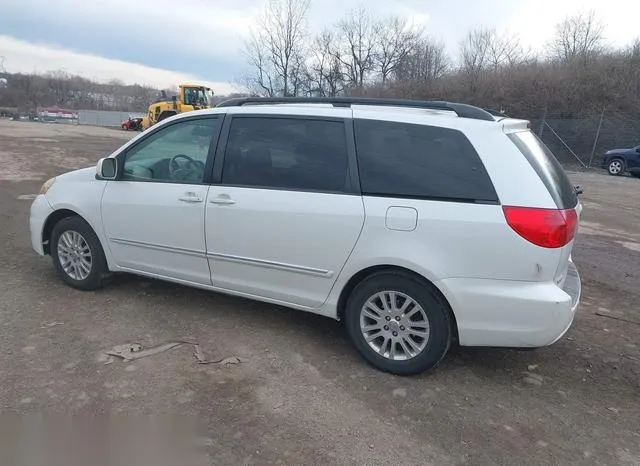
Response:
column 462, row 110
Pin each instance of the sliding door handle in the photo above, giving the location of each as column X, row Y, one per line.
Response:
column 222, row 201
column 190, row 198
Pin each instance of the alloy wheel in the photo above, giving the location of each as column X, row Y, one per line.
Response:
column 615, row 167
column 74, row 255
column 394, row 325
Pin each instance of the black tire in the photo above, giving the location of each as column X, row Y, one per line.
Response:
column 165, row 115
column 439, row 320
column 617, row 162
column 99, row 272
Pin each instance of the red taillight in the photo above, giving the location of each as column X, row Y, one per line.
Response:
column 549, row 228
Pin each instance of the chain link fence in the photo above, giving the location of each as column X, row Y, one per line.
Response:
column 105, row 117
column 580, row 143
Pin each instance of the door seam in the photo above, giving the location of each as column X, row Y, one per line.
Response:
column 204, row 232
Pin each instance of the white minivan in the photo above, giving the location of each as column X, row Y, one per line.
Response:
column 416, row 223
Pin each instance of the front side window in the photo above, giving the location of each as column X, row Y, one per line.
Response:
column 287, row 153
column 418, row 161
column 176, row 153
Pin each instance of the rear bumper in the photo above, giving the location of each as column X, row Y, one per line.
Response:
column 573, row 287
column 511, row 313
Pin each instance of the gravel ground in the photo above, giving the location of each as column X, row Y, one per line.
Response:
column 294, row 391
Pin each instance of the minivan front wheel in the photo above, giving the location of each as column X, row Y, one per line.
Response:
column 397, row 324
column 77, row 254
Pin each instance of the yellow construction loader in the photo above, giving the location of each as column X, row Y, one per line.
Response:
column 190, row 97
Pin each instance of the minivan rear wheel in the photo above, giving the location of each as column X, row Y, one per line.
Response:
column 398, row 324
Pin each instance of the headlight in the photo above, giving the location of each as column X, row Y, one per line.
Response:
column 47, row 184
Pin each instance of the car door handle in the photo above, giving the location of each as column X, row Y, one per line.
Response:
column 223, row 199
column 190, row 198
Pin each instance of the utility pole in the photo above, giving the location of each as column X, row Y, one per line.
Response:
column 595, row 142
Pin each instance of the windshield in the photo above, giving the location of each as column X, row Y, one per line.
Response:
column 197, row 96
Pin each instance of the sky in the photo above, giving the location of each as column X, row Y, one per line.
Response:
column 164, row 42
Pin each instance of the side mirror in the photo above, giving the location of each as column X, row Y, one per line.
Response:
column 107, row 169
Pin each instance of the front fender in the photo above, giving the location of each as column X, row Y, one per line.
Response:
column 82, row 196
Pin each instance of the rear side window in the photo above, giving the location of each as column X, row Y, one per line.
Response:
column 417, row 161
column 287, row 153
column 547, row 167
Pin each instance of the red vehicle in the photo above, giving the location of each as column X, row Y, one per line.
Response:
column 134, row 124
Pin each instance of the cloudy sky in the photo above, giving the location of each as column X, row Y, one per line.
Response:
column 163, row 42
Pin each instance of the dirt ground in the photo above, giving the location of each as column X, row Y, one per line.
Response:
column 300, row 394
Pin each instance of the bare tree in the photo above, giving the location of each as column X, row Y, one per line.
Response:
column 325, row 74
column 299, row 77
column 485, row 50
column 578, row 37
column 396, row 39
column 141, row 97
column 357, row 32
column 58, row 82
column 475, row 52
column 425, row 63
column 261, row 80
column 505, row 50
column 29, row 91
column 634, row 50
column 276, row 49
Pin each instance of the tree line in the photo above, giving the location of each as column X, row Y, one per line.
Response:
column 576, row 75
column 28, row 92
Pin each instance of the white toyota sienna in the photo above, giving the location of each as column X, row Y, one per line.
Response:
column 416, row 223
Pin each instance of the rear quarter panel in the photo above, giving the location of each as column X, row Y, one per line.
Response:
column 451, row 240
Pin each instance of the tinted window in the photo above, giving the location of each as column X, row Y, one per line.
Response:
column 406, row 160
column 175, row 153
column 548, row 168
column 286, row 153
